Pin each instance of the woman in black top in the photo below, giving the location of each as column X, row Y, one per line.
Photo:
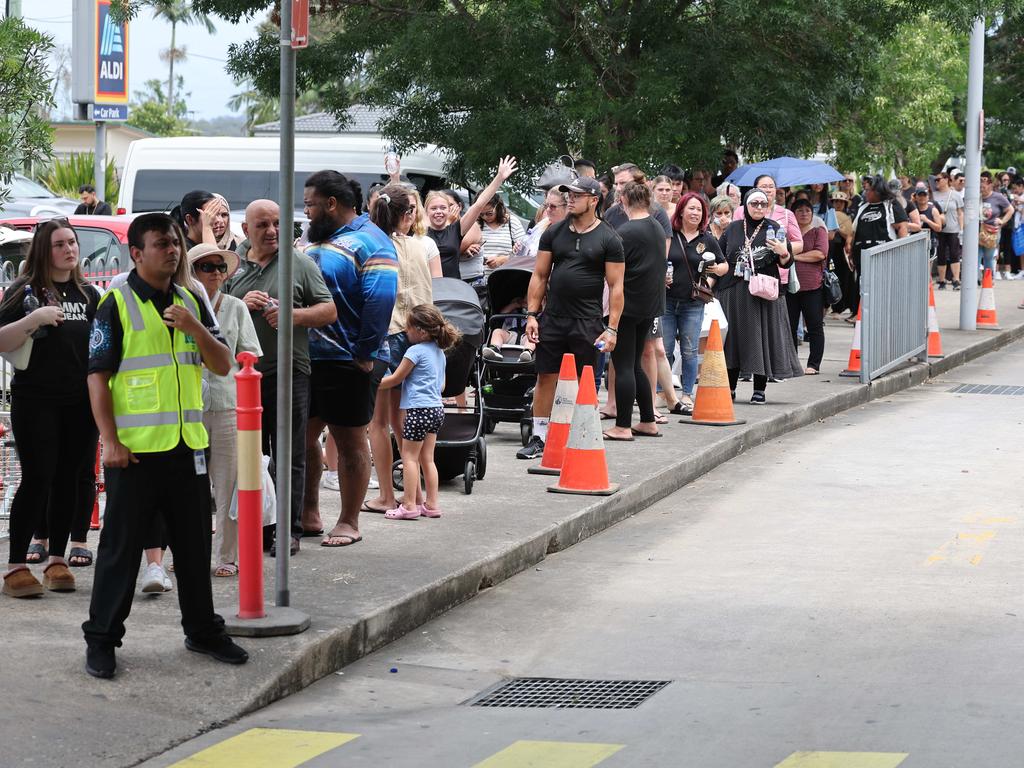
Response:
column 52, row 421
column 759, row 340
column 684, row 315
column 643, row 244
column 449, row 234
column 880, row 218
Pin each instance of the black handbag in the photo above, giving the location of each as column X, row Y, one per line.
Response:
column 699, row 290
column 830, row 286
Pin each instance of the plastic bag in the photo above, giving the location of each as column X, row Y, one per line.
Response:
column 269, row 497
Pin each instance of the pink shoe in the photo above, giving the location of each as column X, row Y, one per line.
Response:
column 426, row 511
column 401, row 513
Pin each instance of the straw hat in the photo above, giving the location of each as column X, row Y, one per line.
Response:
column 197, row 252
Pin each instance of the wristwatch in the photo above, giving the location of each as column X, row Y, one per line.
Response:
column 533, row 314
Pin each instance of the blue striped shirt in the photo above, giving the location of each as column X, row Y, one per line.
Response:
column 360, row 268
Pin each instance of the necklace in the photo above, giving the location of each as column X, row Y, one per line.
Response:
column 584, row 231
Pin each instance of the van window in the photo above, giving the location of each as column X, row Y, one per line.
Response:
column 161, row 190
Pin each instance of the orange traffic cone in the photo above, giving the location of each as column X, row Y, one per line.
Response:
column 561, row 417
column 853, row 365
column 713, row 404
column 585, row 469
column 987, row 304
column 934, row 337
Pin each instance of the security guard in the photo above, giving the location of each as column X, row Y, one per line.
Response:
column 149, row 340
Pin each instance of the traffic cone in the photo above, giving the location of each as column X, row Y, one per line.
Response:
column 585, row 469
column 934, row 337
column 713, row 404
column 987, row 304
column 853, row 365
column 561, row 419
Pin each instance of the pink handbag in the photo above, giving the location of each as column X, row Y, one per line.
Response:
column 764, row 287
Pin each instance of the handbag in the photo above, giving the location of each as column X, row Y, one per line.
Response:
column 830, row 285
column 19, row 357
column 1018, row 240
column 988, row 236
column 762, row 286
column 794, row 280
column 699, row 290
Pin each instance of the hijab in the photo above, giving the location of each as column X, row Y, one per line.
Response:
column 751, row 196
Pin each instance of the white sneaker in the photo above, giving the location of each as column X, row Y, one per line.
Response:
column 999, row 274
column 155, row 579
column 168, row 584
column 373, row 485
column 330, row 481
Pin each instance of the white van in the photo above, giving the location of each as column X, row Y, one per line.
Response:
column 159, row 172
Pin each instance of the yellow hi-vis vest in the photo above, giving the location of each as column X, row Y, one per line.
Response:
column 157, row 390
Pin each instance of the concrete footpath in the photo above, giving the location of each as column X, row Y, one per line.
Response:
column 401, row 575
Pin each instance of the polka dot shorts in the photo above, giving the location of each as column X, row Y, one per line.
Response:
column 419, row 422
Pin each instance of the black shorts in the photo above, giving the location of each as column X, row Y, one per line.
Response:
column 949, row 249
column 341, row 394
column 559, row 335
column 420, row 422
column 654, row 332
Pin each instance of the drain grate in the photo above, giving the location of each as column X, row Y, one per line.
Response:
column 558, row 693
column 987, row 389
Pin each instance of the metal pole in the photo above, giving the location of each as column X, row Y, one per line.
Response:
column 100, row 161
column 972, row 174
column 285, row 259
column 14, row 9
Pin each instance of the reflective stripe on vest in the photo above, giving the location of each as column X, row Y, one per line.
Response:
column 157, row 390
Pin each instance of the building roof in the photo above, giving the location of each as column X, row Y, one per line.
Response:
column 362, row 119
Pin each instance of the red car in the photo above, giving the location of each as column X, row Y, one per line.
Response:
column 102, row 241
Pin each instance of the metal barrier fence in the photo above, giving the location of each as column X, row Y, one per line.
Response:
column 894, row 300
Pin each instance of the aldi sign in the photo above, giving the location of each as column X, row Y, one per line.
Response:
column 99, row 55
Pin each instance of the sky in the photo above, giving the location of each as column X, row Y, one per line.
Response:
column 204, row 70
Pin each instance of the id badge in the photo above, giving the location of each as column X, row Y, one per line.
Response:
column 200, row 458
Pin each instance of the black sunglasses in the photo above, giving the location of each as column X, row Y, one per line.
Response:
column 209, row 267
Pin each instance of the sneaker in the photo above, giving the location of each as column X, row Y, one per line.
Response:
column 491, row 352
column 155, row 579
column 330, row 481
column 532, row 450
column 374, row 484
column 746, row 377
column 168, row 584
column 526, row 356
column 999, row 274
column 956, row 285
column 221, row 648
column 757, row 398
column 940, row 286
column 100, row 661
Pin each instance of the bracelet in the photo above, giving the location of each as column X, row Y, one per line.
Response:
column 533, row 314
column 612, row 331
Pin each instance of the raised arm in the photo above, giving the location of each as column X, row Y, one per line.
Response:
column 506, row 167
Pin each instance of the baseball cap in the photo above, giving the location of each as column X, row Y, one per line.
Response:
column 921, row 188
column 582, row 186
column 837, row 195
column 1012, row 171
column 956, row 173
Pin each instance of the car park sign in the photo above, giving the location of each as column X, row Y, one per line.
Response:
column 99, row 59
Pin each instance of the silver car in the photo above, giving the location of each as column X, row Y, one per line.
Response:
column 24, row 197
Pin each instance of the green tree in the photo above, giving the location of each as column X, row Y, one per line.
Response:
column 25, row 97
column 149, row 112
column 176, row 12
column 1004, row 94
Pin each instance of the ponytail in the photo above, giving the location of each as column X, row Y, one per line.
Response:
column 429, row 319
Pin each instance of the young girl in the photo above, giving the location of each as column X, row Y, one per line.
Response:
column 421, row 374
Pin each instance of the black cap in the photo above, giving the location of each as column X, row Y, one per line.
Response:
column 582, row 186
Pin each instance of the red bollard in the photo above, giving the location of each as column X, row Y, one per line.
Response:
column 94, row 523
column 250, row 489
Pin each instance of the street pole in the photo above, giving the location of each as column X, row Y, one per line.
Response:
column 13, row 9
column 285, row 259
column 972, row 174
column 100, row 161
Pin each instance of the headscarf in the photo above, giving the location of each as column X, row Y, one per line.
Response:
column 227, row 240
column 755, row 194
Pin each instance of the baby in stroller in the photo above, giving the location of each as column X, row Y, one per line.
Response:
column 513, row 329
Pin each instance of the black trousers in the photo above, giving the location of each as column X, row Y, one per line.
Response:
column 300, row 415
column 81, row 515
column 760, row 381
column 165, row 486
column 631, row 383
column 56, row 445
column 810, row 304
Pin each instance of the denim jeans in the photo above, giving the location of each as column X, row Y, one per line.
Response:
column 682, row 320
column 987, row 258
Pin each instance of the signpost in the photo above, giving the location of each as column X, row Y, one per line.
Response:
column 99, row 73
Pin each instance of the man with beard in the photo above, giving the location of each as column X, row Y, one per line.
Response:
column 256, row 284
column 576, row 257
column 360, row 266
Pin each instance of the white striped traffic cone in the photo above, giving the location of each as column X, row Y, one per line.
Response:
column 585, row 468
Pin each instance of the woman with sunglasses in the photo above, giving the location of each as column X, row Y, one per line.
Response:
column 212, row 266
column 759, row 341
column 51, row 418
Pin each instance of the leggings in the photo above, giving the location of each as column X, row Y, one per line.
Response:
column 631, row 383
column 81, row 516
column 760, row 382
column 56, row 443
column 811, row 304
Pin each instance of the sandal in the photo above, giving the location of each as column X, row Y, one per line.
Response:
column 81, row 554
column 426, row 511
column 401, row 512
column 620, row 439
column 226, row 569
column 659, row 419
column 36, row 553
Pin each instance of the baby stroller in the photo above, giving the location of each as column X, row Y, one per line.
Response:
column 508, row 384
column 461, row 447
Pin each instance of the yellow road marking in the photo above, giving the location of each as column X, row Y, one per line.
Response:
column 976, row 560
column 843, row 760
column 550, row 754
column 978, row 536
column 977, row 518
column 266, row 748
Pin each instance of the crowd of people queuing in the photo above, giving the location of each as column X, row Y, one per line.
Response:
column 625, row 269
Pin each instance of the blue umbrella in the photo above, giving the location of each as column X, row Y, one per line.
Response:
column 787, row 172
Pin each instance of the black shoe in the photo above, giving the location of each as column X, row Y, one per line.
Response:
column 292, row 549
column 940, row 286
column 956, row 285
column 532, row 450
column 100, row 661
column 746, row 377
column 757, row 398
column 222, row 648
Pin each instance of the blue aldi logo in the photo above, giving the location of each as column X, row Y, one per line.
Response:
column 111, row 57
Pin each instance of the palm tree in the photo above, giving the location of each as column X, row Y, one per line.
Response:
column 177, row 12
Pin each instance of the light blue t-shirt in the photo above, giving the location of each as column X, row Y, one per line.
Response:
column 422, row 388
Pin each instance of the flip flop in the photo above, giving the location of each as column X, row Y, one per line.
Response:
column 81, row 553
column 810, row 372
column 659, row 419
column 367, row 508
column 312, row 534
column 350, row 540
column 36, row 553
column 619, row 439
column 225, row 570
column 638, row 433
column 606, row 416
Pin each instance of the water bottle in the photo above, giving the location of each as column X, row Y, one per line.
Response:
column 30, row 303
column 600, row 345
column 391, row 163
column 669, row 271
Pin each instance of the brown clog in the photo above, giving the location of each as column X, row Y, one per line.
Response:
column 57, row 578
column 22, row 583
